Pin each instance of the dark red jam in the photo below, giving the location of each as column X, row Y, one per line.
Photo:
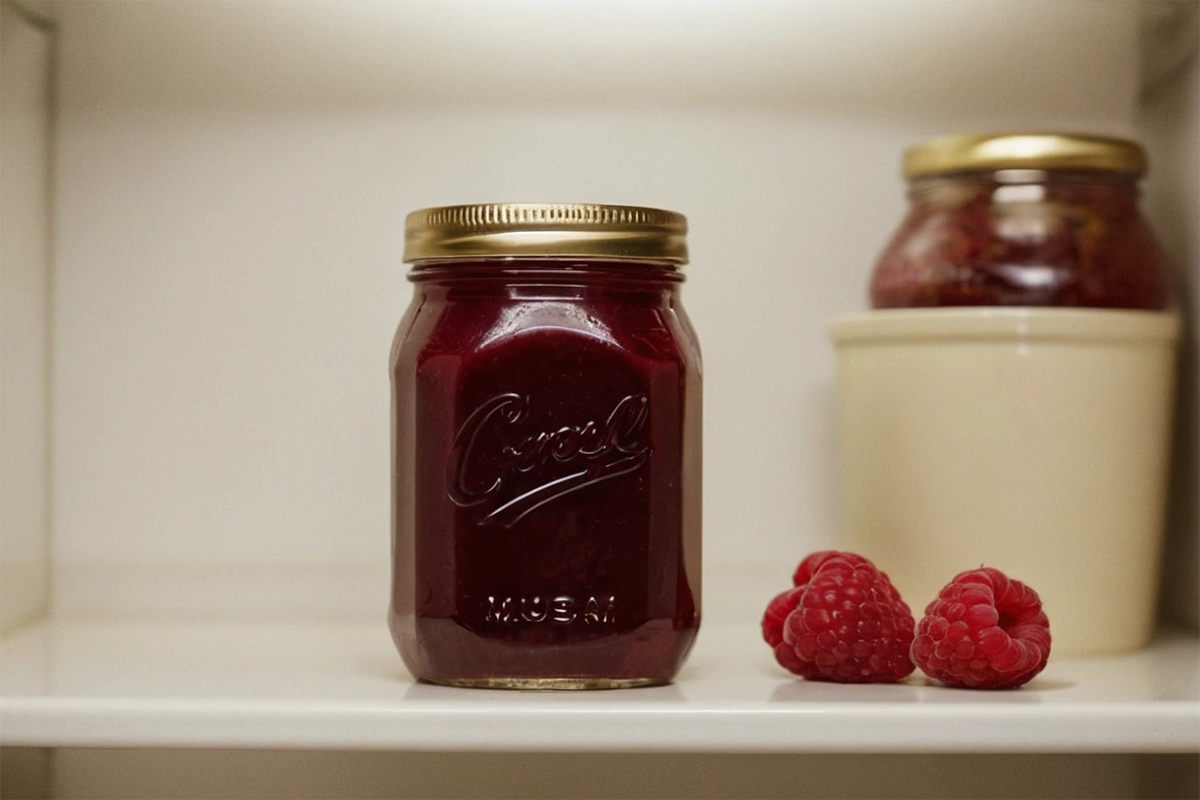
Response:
column 546, row 474
column 1023, row 238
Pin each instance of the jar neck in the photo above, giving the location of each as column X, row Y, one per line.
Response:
column 509, row 270
column 547, row 280
column 1104, row 189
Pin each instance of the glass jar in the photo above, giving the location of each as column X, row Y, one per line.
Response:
column 1023, row 220
column 546, row 402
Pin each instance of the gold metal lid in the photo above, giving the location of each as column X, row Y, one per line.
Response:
column 584, row 230
column 1023, row 151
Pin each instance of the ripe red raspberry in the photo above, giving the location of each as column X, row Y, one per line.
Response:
column 848, row 623
column 984, row 631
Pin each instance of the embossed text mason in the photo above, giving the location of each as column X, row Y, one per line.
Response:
column 546, row 423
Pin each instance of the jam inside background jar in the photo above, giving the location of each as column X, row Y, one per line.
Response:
column 1023, row 220
column 546, row 473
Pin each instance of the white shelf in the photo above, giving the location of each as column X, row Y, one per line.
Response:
column 332, row 686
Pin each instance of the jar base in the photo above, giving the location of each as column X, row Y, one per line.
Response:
column 549, row 684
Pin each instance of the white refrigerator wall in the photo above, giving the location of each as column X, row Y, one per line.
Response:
column 1169, row 124
column 231, row 182
column 25, row 53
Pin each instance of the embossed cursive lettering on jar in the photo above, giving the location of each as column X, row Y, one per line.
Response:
column 558, row 461
column 546, row 449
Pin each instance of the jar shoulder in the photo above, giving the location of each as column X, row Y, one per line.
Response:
column 644, row 331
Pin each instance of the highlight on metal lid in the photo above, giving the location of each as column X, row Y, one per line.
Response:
column 1042, row 151
column 583, row 230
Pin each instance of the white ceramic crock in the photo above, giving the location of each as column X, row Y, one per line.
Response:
column 1031, row 440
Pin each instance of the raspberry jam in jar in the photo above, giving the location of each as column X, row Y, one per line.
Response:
column 546, row 423
column 1023, row 220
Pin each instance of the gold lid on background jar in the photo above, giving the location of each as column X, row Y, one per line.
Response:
column 581, row 230
column 1023, row 151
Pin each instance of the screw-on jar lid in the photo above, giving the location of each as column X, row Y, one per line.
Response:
column 572, row 230
column 1043, row 151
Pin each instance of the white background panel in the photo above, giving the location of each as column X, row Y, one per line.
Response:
column 229, row 231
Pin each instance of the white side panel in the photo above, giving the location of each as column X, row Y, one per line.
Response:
column 24, row 314
column 1169, row 124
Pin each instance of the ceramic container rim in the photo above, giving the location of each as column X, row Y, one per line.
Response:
column 951, row 325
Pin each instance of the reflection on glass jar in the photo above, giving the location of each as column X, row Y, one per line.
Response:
column 546, row 449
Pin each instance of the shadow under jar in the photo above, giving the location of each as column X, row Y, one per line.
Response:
column 546, row 434
column 1023, row 220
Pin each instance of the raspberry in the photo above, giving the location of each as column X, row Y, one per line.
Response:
column 984, row 631
column 848, row 623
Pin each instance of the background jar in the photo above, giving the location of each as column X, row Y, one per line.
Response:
column 546, row 449
column 1023, row 220
column 1008, row 402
